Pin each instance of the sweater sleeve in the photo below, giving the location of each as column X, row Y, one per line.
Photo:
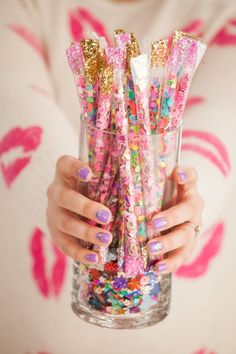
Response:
column 34, row 131
column 209, row 142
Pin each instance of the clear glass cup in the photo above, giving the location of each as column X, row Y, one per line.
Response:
column 118, row 293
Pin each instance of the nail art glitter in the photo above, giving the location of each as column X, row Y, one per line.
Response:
column 155, row 246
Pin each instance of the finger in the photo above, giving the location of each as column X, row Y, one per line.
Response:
column 177, row 238
column 189, row 209
column 185, row 176
column 67, row 198
column 68, row 166
column 68, row 223
column 71, row 247
column 176, row 259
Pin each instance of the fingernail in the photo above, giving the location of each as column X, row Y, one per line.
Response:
column 182, row 176
column 91, row 257
column 161, row 267
column 103, row 237
column 159, row 223
column 155, row 246
column 103, row 215
column 83, row 173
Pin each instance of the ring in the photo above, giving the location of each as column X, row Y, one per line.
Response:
column 196, row 228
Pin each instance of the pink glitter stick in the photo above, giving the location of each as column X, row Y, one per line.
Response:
column 179, row 47
column 193, row 59
column 140, row 75
column 129, row 258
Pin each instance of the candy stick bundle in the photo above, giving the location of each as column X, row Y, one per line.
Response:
column 127, row 100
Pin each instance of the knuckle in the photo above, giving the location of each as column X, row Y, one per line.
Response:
column 172, row 218
column 88, row 208
column 186, row 256
column 168, row 244
column 61, row 196
column 194, row 173
column 50, row 191
column 61, row 160
column 48, row 218
column 89, row 233
column 64, row 223
column 187, row 232
column 64, row 246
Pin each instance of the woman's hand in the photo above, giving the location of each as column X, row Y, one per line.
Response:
column 65, row 205
column 181, row 240
column 64, row 201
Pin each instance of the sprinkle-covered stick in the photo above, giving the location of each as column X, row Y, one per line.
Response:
column 159, row 51
column 179, row 48
column 193, row 57
column 132, row 51
column 129, row 257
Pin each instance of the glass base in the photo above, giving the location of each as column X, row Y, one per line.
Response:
column 146, row 319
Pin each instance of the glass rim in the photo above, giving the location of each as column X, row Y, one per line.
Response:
column 105, row 131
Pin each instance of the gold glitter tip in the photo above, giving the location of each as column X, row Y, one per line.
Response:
column 159, row 53
column 180, row 34
column 118, row 31
column 90, row 50
column 101, row 60
column 107, row 79
column 132, row 50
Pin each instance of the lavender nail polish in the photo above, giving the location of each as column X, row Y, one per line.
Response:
column 182, row 176
column 161, row 267
column 103, row 237
column 155, row 246
column 159, row 223
column 91, row 257
column 103, row 215
column 83, row 173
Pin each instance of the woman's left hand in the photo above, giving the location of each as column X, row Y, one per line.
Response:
column 181, row 218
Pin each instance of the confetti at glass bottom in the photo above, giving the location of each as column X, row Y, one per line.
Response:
column 109, row 299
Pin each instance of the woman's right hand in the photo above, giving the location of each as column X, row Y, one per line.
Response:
column 65, row 205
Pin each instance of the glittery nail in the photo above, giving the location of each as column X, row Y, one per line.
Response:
column 91, row 257
column 182, row 176
column 103, row 237
column 83, row 173
column 159, row 223
column 155, row 246
column 161, row 267
column 103, row 215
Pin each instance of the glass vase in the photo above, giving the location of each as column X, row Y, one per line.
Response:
column 131, row 176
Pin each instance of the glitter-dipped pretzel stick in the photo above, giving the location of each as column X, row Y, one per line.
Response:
column 180, row 43
column 114, row 58
column 101, row 137
column 94, row 69
column 97, row 185
column 129, row 258
column 159, row 52
column 90, row 49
